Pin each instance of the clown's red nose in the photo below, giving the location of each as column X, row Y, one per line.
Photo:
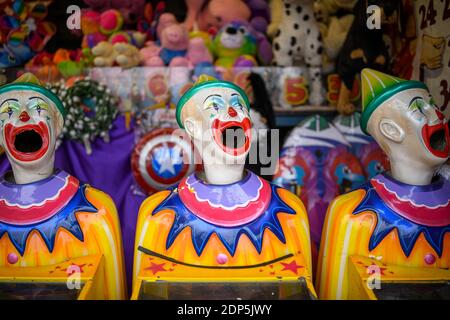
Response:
column 24, row 117
column 232, row 112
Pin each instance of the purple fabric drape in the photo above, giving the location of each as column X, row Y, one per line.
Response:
column 108, row 169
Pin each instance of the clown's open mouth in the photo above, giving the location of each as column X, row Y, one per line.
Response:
column 232, row 137
column 27, row 143
column 437, row 139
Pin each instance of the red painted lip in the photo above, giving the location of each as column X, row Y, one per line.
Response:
column 220, row 126
column 11, row 133
column 428, row 131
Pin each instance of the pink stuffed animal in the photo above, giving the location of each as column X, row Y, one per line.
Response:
column 165, row 20
column 198, row 52
column 150, row 55
column 174, row 42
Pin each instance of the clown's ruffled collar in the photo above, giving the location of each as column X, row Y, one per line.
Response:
column 44, row 206
column 249, row 207
column 410, row 209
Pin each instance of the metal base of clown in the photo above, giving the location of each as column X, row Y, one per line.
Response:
column 189, row 245
column 59, row 239
column 387, row 240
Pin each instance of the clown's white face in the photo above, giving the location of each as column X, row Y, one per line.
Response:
column 220, row 124
column 29, row 126
column 411, row 120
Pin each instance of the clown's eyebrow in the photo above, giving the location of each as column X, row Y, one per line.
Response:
column 213, row 95
column 12, row 99
column 36, row 98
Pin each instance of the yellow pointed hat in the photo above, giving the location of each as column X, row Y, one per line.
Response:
column 28, row 81
column 377, row 87
column 207, row 82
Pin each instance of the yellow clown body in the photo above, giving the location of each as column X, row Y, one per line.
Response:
column 345, row 246
column 101, row 236
column 394, row 230
column 205, row 233
column 56, row 233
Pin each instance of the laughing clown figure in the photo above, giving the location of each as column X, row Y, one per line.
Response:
column 397, row 226
column 224, row 224
column 50, row 223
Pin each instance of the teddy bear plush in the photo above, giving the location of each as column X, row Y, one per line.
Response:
column 104, row 54
column 127, row 55
column 335, row 18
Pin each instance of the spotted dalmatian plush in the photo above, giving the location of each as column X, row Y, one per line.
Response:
column 297, row 38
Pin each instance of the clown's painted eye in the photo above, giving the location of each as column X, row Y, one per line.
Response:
column 10, row 107
column 236, row 101
column 214, row 102
column 241, row 30
column 417, row 104
column 38, row 105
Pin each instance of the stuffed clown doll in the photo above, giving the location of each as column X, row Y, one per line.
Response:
column 393, row 233
column 225, row 224
column 51, row 224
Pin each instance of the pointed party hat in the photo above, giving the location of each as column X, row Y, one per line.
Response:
column 28, row 81
column 207, row 82
column 377, row 87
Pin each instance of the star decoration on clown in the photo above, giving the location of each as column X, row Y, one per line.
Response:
column 48, row 216
column 223, row 222
column 401, row 216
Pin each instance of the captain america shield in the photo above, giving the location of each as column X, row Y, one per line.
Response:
column 161, row 159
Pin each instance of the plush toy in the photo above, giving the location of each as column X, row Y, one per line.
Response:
column 198, row 52
column 90, row 28
column 164, row 21
column 334, row 36
column 193, row 8
column 43, row 66
column 127, row 55
column 110, row 21
column 97, row 27
column 150, row 55
column 174, row 42
column 260, row 14
column 326, row 9
column 234, row 41
column 131, row 11
column 104, row 54
column 23, row 31
column 135, row 38
column 297, row 37
column 216, row 13
column 363, row 48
